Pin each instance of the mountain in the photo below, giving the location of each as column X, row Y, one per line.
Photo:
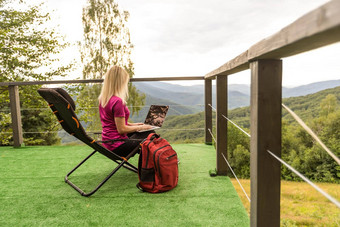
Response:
column 309, row 88
column 192, row 97
column 175, row 109
column 190, row 128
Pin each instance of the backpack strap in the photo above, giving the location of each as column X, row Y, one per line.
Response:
column 152, row 136
column 140, row 188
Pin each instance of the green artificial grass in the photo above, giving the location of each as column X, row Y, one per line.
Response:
column 33, row 191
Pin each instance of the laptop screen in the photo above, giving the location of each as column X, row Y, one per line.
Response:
column 156, row 115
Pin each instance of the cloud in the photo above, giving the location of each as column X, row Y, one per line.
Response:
column 199, row 26
column 194, row 37
column 198, row 36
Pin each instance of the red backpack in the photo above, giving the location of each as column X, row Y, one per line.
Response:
column 157, row 165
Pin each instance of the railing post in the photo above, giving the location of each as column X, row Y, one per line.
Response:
column 208, row 110
column 221, row 123
column 265, row 172
column 15, row 115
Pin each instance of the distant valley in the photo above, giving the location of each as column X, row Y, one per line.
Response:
column 190, row 99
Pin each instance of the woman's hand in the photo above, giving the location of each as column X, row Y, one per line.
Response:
column 122, row 128
column 135, row 124
column 144, row 127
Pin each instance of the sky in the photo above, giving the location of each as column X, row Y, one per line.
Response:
column 194, row 37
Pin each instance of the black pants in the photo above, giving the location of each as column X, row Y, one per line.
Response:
column 126, row 148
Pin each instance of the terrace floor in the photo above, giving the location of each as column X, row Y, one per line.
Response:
column 33, row 192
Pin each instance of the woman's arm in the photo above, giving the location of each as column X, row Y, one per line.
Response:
column 122, row 128
column 134, row 124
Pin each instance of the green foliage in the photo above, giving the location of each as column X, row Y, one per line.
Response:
column 26, row 50
column 320, row 111
column 106, row 38
column 328, row 105
column 6, row 130
column 106, row 43
column 184, row 128
column 239, row 161
column 238, row 152
column 307, row 107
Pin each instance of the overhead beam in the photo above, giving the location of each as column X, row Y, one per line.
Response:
column 317, row 28
column 236, row 65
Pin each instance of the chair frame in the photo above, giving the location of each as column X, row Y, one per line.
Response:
column 63, row 107
column 121, row 164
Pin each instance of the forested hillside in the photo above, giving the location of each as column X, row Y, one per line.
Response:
column 320, row 111
column 192, row 97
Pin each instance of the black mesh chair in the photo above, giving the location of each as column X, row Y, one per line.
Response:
column 63, row 107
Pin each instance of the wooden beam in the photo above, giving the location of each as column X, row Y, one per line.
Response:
column 22, row 83
column 236, row 65
column 167, row 78
column 221, row 124
column 208, row 110
column 318, row 28
column 15, row 115
column 265, row 172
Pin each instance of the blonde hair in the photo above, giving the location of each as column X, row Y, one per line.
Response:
column 115, row 83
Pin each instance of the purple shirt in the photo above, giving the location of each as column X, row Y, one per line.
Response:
column 114, row 108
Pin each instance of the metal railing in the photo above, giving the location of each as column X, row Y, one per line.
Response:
column 318, row 28
column 15, row 108
column 329, row 197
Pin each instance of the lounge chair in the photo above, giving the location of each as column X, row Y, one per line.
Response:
column 63, row 107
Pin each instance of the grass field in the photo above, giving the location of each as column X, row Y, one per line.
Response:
column 33, row 193
column 301, row 205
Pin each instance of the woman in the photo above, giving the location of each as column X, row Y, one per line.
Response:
column 114, row 113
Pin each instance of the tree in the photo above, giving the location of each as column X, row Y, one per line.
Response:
column 26, row 49
column 106, row 43
column 328, row 105
column 238, row 152
column 302, row 152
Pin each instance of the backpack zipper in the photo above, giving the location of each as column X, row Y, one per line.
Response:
column 159, row 169
column 147, row 155
column 154, row 154
column 171, row 156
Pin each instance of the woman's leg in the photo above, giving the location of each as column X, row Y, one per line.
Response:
column 140, row 135
column 126, row 148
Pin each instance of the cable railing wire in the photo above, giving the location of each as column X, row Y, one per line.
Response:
column 181, row 129
column 212, row 107
column 333, row 200
column 174, row 110
column 236, row 125
column 235, row 176
column 301, row 123
column 329, row 197
column 89, row 132
column 231, row 121
column 86, row 108
column 225, row 157
column 212, row 136
column 310, row 132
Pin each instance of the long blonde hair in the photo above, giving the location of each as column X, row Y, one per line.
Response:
column 115, row 83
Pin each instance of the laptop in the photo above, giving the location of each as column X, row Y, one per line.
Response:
column 155, row 117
